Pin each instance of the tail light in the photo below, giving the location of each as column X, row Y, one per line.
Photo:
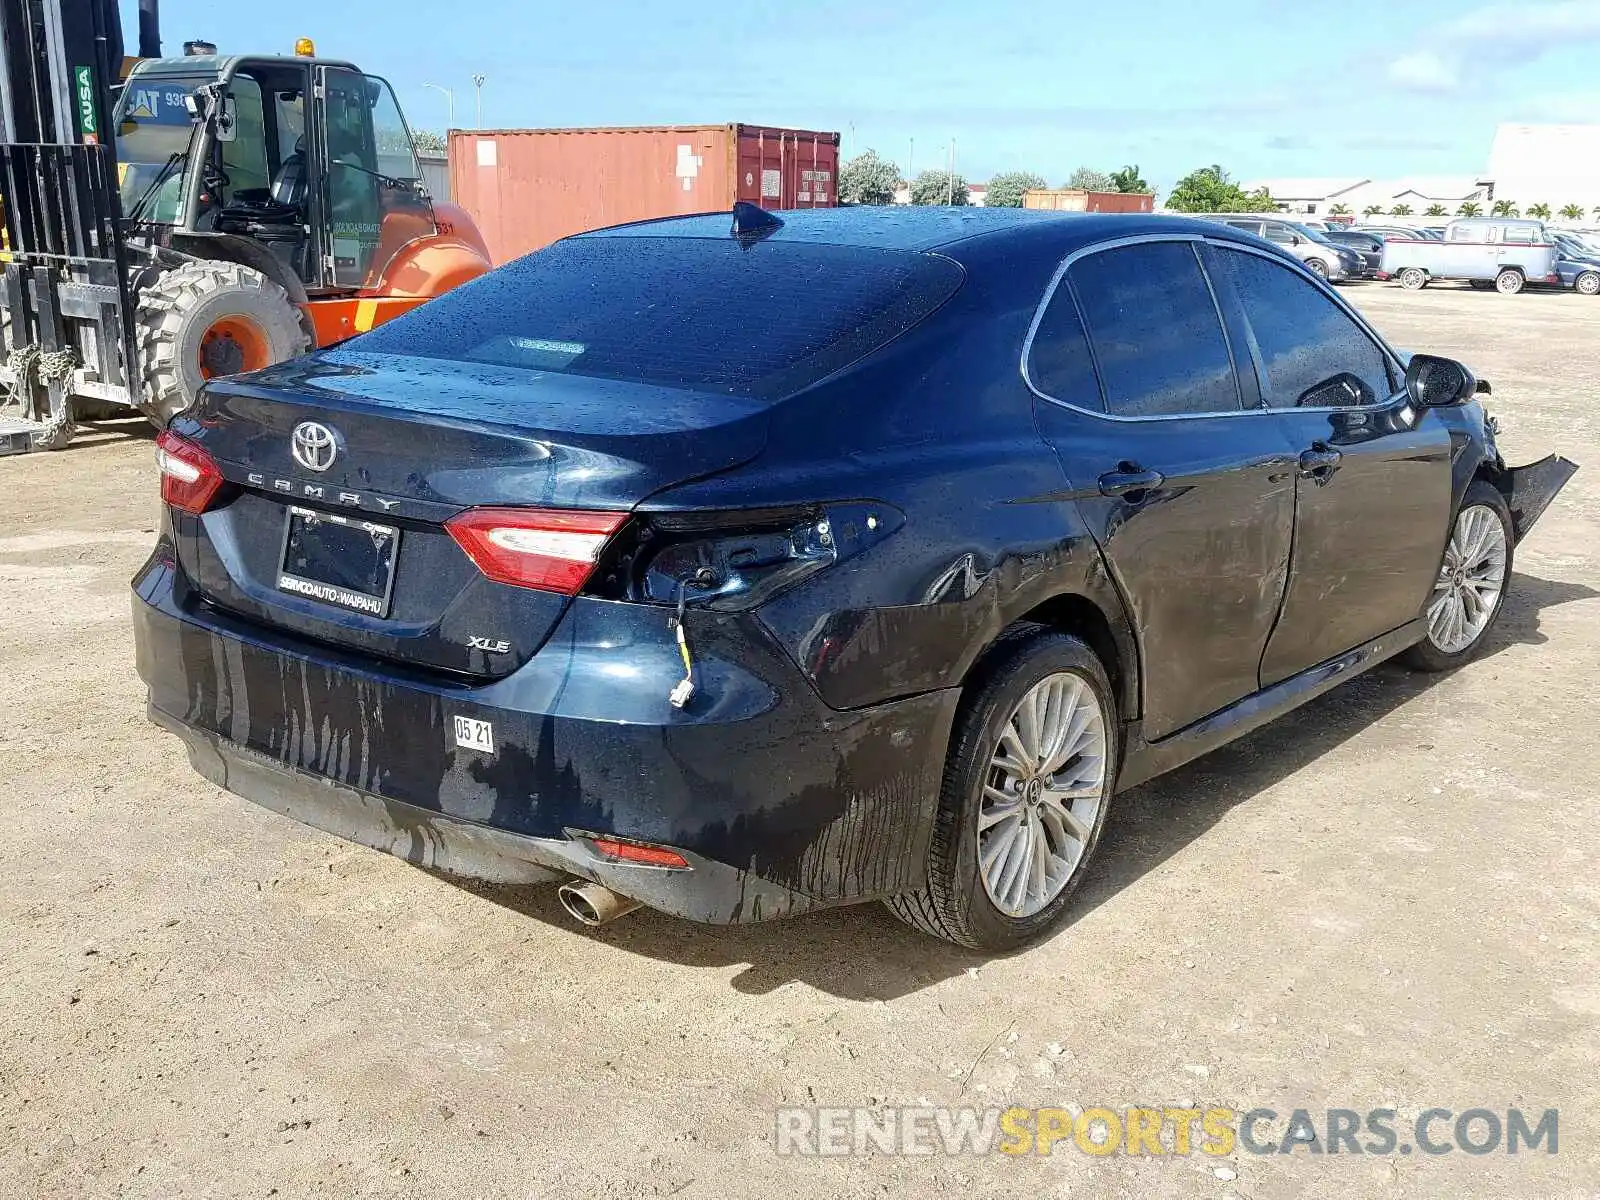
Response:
column 553, row 550
column 189, row 476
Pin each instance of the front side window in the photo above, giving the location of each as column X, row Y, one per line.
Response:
column 1313, row 353
column 244, row 155
column 1156, row 334
column 1280, row 234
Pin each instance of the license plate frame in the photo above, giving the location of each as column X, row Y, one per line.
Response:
column 369, row 603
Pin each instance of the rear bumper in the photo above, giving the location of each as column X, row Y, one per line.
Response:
column 779, row 803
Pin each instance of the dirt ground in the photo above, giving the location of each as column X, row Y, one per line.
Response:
column 1389, row 899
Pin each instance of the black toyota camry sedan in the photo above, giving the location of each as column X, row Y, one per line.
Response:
column 741, row 565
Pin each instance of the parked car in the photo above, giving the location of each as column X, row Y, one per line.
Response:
column 1310, row 246
column 1368, row 246
column 854, row 555
column 1505, row 252
column 1578, row 265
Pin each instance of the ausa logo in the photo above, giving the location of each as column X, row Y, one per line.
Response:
column 88, row 123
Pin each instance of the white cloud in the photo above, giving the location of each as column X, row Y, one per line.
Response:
column 1491, row 38
column 1425, row 71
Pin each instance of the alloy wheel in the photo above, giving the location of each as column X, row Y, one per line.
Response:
column 1589, row 284
column 1042, row 794
column 1471, row 580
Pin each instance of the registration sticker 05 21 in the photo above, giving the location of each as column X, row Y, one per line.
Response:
column 472, row 734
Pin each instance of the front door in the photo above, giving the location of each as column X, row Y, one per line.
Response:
column 374, row 200
column 1373, row 478
column 1190, row 497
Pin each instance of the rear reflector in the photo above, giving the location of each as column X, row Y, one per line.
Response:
column 546, row 548
column 189, row 476
column 650, row 856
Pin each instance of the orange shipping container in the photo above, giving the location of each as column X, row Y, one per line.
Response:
column 1078, row 200
column 527, row 187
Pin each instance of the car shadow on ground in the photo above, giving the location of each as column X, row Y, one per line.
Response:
column 864, row 953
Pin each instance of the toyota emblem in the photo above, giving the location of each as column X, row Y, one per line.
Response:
column 314, row 445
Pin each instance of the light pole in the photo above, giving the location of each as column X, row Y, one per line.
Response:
column 450, row 98
column 477, row 84
column 950, row 192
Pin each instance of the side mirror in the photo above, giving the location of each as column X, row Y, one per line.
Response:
column 1295, row 239
column 1434, row 382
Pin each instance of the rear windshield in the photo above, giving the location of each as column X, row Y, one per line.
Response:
column 761, row 320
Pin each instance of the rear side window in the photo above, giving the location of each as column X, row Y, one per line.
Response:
column 1313, row 353
column 1059, row 364
column 1157, row 338
column 761, row 320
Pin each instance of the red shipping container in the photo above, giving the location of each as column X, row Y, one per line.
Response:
column 1078, row 200
column 527, row 187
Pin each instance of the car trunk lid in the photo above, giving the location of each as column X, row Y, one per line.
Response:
column 345, row 541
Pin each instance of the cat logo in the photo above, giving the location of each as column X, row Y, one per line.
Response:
column 144, row 104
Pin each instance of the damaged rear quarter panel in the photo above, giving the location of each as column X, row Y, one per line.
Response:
column 940, row 426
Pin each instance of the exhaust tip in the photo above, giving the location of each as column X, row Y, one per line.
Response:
column 592, row 905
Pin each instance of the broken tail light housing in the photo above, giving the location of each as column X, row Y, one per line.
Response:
column 553, row 550
column 736, row 560
column 189, row 476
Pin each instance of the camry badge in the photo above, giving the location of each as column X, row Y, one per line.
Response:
column 314, row 445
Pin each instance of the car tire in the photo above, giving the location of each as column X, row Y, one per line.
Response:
column 1587, row 284
column 1317, row 267
column 1046, row 842
column 1509, row 282
column 1413, row 279
column 1477, row 559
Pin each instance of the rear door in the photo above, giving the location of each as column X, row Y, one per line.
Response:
column 1189, row 494
column 1373, row 478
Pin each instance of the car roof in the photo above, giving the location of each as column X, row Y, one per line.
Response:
column 904, row 227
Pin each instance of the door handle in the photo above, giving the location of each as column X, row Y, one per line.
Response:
column 1319, row 462
column 1128, row 478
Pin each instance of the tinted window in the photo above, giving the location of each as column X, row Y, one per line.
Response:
column 757, row 320
column 1155, row 331
column 1314, row 354
column 1281, row 234
column 1058, row 362
column 1248, row 226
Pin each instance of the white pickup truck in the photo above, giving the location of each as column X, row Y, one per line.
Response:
column 1499, row 252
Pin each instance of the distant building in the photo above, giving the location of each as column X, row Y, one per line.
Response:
column 1547, row 164
column 1322, row 197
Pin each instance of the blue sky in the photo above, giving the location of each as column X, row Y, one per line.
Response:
column 1264, row 87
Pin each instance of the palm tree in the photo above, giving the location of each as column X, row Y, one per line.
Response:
column 1539, row 211
column 1400, row 210
column 1339, row 210
column 1504, row 208
column 1435, row 210
column 1597, row 212
column 1372, row 210
column 1471, row 208
column 1572, row 212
